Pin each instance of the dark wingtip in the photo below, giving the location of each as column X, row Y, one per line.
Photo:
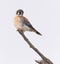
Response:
column 38, row 33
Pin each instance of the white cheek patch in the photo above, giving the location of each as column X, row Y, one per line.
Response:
column 18, row 13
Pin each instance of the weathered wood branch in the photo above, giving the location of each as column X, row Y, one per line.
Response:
column 44, row 59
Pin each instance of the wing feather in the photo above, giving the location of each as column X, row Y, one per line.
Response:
column 27, row 23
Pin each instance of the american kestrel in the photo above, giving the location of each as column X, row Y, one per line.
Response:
column 22, row 23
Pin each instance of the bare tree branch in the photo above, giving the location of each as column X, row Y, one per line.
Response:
column 44, row 59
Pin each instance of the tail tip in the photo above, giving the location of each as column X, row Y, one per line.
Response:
column 39, row 33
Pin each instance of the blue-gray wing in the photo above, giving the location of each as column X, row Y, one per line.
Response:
column 27, row 23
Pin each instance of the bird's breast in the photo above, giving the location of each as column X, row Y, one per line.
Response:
column 17, row 22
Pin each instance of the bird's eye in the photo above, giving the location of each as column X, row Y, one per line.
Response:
column 20, row 12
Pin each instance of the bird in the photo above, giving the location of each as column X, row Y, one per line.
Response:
column 22, row 23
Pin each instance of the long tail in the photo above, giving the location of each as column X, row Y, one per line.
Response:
column 38, row 33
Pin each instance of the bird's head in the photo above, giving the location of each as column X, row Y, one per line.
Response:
column 19, row 12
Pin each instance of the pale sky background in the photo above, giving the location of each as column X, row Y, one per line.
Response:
column 44, row 15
